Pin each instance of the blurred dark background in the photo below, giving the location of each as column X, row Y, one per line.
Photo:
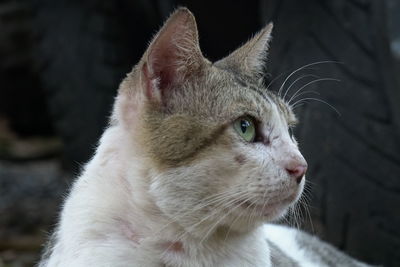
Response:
column 61, row 63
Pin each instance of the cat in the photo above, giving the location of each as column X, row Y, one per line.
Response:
column 196, row 163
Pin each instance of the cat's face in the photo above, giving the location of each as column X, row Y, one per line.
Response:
column 218, row 143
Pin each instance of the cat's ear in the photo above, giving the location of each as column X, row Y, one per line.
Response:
column 172, row 56
column 249, row 59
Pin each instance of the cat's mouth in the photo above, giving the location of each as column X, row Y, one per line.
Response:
column 268, row 208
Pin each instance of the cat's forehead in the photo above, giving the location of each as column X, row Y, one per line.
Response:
column 244, row 95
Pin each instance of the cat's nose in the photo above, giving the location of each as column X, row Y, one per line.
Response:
column 297, row 170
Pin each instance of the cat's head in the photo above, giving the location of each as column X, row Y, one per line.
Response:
column 217, row 143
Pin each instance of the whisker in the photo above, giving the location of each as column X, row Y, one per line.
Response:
column 298, row 105
column 309, row 83
column 319, row 100
column 219, row 199
column 233, row 200
column 309, row 217
column 286, row 219
column 205, row 218
column 295, row 216
column 304, row 67
column 309, row 183
column 307, row 92
column 237, row 217
column 252, row 214
column 299, row 218
column 289, row 218
column 233, row 222
column 298, row 79
column 223, row 217
column 274, row 79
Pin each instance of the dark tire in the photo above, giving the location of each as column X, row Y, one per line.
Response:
column 85, row 49
column 22, row 101
column 354, row 160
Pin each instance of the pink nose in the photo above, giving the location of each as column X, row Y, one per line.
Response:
column 297, row 171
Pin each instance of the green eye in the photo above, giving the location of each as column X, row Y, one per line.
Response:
column 245, row 128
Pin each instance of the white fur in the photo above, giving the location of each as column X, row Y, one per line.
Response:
column 285, row 238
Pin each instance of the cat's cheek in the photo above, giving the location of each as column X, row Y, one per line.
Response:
column 240, row 159
column 164, row 194
column 170, row 187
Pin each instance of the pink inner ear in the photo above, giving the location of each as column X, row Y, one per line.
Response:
column 172, row 56
column 161, row 71
column 165, row 69
column 160, row 80
column 150, row 87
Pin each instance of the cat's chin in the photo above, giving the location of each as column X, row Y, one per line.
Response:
column 271, row 210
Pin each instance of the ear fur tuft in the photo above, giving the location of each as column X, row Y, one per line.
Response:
column 249, row 59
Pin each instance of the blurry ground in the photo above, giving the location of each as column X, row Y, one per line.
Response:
column 31, row 182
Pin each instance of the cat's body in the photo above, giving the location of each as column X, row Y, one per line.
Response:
column 196, row 159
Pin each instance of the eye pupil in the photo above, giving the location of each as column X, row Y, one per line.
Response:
column 245, row 128
column 244, row 125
